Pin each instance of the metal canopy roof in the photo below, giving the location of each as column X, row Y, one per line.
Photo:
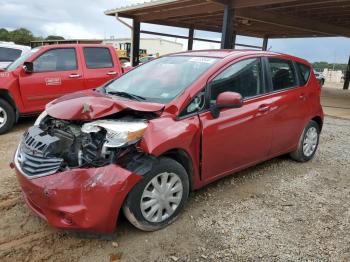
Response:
column 257, row 18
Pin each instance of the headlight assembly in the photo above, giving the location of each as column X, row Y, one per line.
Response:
column 118, row 133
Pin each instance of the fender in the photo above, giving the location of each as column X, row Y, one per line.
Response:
column 165, row 133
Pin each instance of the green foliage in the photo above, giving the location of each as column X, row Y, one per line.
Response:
column 320, row 66
column 4, row 35
column 54, row 37
column 23, row 36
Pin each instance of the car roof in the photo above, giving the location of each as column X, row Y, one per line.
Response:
column 14, row 46
column 223, row 53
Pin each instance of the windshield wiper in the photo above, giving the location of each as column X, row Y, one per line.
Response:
column 127, row 95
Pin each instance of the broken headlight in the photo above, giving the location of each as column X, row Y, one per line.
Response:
column 118, row 133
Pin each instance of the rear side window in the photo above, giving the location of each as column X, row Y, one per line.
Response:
column 9, row 54
column 282, row 73
column 97, row 57
column 304, row 72
column 60, row 59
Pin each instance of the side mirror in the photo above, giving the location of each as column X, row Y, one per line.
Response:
column 28, row 67
column 226, row 100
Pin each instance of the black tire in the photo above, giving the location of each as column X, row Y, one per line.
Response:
column 322, row 82
column 8, row 113
column 299, row 154
column 132, row 204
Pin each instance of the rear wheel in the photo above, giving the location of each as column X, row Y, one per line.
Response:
column 157, row 200
column 308, row 143
column 7, row 116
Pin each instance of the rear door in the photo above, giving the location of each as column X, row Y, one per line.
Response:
column 290, row 108
column 56, row 72
column 101, row 65
column 239, row 137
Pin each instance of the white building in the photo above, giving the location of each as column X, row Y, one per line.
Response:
column 153, row 46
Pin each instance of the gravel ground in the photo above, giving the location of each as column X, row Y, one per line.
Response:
column 279, row 210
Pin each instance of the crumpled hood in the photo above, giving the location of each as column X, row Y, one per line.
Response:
column 89, row 105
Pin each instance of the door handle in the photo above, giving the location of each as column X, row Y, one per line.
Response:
column 110, row 73
column 74, row 76
column 264, row 108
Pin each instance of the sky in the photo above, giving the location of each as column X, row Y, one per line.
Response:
column 85, row 19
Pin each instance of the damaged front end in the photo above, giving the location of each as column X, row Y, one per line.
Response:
column 54, row 145
column 76, row 174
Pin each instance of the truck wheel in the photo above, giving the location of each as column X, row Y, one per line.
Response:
column 7, row 116
column 158, row 198
column 308, row 143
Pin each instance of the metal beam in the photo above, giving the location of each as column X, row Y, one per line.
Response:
column 347, row 77
column 135, row 48
column 265, row 43
column 288, row 21
column 190, row 39
column 227, row 28
column 234, row 37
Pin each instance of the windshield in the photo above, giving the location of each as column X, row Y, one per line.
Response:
column 161, row 80
column 22, row 59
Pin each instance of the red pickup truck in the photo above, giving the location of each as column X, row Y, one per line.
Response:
column 48, row 72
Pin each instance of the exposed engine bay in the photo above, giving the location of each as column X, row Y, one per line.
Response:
column 56, row 145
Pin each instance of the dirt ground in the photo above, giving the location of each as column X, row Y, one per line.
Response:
column 278, row 210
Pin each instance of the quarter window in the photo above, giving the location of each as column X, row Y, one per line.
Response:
column 304, row 73
column 282, row 74
column 243, row 77
column 60, row 59
column 97, row 57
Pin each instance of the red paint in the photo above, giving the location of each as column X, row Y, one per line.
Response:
column 89, row 198
column 229, row 99
column 30, row 92
column 264, row 127
column 98, row 105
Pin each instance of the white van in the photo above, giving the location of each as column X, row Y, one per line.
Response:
column 9, row 52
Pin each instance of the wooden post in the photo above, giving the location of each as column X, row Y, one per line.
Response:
column 135, row 47
column 190, row 39
column 347, row 77
column 227, row 27
column 265, row 43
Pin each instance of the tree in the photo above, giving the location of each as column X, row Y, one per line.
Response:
column 54, row 37
column 21, row 36
column 4, row 35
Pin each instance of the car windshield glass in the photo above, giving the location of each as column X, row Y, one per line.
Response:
column 161, row 80
column 22, row 59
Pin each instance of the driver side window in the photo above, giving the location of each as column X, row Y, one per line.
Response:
column 60, row 59
column 243, row 77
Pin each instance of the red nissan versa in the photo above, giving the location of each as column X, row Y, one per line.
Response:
column 142, row 142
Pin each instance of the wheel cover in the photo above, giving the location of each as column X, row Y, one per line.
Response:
column 3, row 117
column 161, row 197
column 310, row 141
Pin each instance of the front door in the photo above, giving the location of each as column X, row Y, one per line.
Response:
column 56, row 72
column 238, row 137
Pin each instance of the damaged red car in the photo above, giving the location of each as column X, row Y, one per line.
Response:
column 142, row 142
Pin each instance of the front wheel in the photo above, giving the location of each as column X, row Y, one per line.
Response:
column 158, row 198
column 308, row 143
column 7, row 116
